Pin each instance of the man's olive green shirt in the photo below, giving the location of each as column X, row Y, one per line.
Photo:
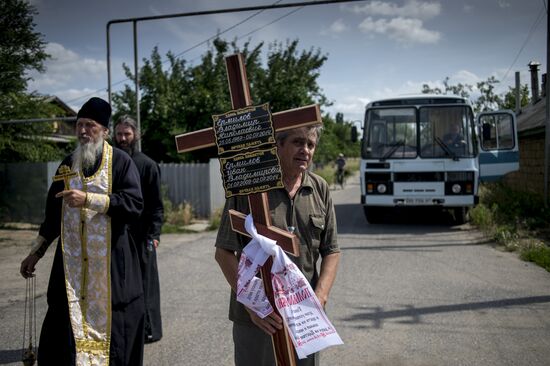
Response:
column 310, row 213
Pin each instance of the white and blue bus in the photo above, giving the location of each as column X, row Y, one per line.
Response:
column 429, row 150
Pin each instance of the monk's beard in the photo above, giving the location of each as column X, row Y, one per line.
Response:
column 86, row 155
column 128, row 147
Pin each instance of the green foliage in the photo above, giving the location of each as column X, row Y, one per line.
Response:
column 482, row 217
column 21, row 49
column 506, row 235
column 515, row 219
column 335, row 139
column 518, row 208
column 488, row 100
column 175, row 218
column 509, row 100
column 328, row 171
column 460, row 89
column 538, row 254
column 290, row 80
column 28, row 142
column 215, row 219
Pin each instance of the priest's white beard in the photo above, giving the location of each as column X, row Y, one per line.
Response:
column 85, row 155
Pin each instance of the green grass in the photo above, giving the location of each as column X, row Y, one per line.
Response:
column 516, row 220
column 168, row 228
column 539, row 255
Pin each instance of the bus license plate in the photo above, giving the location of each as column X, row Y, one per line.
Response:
column 417, row 201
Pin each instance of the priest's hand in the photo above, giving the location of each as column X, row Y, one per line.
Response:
column 28, row 266
column 270, row 324
column 73, row 197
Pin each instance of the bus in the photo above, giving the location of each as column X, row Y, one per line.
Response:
column 430, row 150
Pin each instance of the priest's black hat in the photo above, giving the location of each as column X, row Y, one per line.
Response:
column 96, row 109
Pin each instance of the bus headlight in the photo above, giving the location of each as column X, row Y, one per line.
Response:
column 381, row 188
column 456, row 188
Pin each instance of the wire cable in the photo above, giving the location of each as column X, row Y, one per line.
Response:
column 203, row 42
column 531, row 31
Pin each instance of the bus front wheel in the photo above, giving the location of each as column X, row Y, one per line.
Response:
column 461, row 215
column 373, row 214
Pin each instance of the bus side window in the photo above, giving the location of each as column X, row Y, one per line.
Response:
column 486, row 128
column 497, row 132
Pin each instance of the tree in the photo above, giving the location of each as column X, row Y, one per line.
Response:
column 21, row 48
column 488, row 100
column 27, row 142
column 509, row 100
column 178, row 99
column 335, row 139
column 460, row 89
column 290, row 80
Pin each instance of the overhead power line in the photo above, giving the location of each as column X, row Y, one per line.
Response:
column 224, row 31
column 531, row 31
column 207, row 40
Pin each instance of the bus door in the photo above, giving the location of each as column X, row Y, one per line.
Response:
column 499, row 150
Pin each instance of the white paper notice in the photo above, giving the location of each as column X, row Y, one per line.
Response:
column 306, row 322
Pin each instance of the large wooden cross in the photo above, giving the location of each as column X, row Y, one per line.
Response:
column 258, row 202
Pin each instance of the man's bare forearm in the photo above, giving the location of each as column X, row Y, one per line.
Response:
column 327, row 275
column 229, row 265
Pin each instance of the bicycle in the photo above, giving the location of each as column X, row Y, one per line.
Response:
column 340, row 177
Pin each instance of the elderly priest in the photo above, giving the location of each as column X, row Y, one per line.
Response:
column 95, row 295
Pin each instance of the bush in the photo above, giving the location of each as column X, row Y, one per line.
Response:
column 327, row 173
column 539, row 254
column 510, row 206
column 481, row 216
column 513, row 219
column 175, row 218
column 182, row 215
column 215, row 219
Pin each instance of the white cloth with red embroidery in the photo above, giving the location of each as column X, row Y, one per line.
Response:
column 304, row 318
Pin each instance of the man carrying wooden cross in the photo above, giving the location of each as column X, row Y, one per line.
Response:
column 304, row 207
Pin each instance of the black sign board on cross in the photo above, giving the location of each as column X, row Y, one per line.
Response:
column 258, row 202
column 247, row 152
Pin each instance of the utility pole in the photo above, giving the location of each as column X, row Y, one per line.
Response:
column 547, row 127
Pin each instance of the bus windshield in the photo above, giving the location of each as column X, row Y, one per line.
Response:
column 391, row 133
column 446, row 132
column 426, row 132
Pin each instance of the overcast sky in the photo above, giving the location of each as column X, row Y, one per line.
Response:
column 375, row 49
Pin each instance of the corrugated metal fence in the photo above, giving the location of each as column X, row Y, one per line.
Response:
column 198, row 184
column 24, row 187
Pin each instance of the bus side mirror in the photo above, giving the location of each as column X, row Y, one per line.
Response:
column 354, row 134
column 486, row 130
